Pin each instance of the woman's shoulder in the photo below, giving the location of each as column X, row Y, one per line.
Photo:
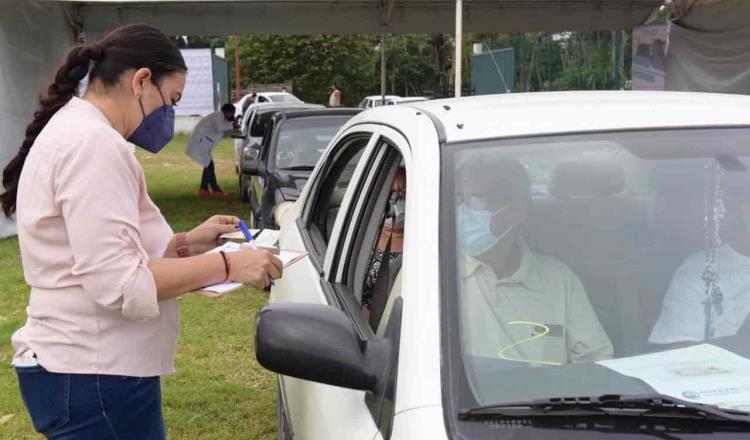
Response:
column 78, row 125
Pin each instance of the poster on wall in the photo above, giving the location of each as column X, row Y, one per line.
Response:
column 650, row 57
column 198, row 96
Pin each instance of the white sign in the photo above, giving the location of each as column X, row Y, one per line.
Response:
column 198, row 96
column 702, row 373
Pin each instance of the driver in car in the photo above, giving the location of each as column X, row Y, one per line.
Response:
column 517, row 305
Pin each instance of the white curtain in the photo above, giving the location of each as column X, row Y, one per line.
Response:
column 709, row 48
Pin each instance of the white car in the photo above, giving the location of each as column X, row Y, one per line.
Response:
column 242, row 105
column 553, row 277
column 377, row 100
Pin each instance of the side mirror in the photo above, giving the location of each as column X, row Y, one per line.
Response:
column 319, row 343
column 236, row 134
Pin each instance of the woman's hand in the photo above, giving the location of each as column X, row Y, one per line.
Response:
column 206, row 235
column 255, row 267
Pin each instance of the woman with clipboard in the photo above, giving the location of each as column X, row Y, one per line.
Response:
column 104, row 266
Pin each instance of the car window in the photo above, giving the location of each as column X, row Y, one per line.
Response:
column 606, row 263
column 285, row 98
column 330, row 193
column 259, row 123
column 301, row 141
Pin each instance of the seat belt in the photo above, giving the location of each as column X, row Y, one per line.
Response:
column 382, row 288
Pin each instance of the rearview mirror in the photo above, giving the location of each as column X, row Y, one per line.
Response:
column 319, row 343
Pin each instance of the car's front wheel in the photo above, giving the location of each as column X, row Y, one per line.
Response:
column 283, row 426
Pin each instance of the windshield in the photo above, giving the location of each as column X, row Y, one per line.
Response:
column 609, row 263
column 301, row 141
column 284, row 98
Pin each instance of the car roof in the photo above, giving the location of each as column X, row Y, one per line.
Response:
column 381, row 97
column 525, row 114
column 276, row 106
column 295, row 114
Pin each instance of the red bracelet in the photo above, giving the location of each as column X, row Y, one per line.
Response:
column 181, row 243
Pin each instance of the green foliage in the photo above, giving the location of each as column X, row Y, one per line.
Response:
column 312, row 63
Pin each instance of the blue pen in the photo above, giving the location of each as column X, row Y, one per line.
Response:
column 246, row 232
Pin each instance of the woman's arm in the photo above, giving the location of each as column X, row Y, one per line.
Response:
column 175, row 276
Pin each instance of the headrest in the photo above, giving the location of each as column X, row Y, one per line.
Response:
column 587, row 178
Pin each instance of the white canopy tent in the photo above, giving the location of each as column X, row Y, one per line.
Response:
column 34, row 34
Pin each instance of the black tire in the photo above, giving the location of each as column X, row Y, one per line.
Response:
column 282, row 424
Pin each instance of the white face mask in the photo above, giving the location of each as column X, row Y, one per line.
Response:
column 475, row 235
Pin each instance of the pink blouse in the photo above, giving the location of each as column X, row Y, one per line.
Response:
column 87, row 229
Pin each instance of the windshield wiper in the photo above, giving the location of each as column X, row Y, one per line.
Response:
column 643, row 407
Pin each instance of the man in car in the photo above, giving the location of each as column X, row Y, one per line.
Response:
column 516, row 304
column 688, row 313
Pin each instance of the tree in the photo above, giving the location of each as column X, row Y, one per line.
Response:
column 311, row 63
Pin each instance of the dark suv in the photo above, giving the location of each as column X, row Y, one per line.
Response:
column 276, row 171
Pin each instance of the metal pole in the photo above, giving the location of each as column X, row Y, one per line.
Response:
column 616, row 56
column 237, row 88
column 382, row 66
column 459, row 34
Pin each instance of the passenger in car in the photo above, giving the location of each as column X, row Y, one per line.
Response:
column 688, row 313
column 390, row 240
column 517, row 305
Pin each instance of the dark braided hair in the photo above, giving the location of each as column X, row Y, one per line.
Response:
column 128, row 47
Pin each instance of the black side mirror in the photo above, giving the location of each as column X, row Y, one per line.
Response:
column 319, row 343
column 236, row 134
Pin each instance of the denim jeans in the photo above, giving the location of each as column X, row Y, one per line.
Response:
column 92, row 406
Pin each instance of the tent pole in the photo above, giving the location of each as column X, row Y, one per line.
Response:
column 459, row 42
column 237, row 91
column 382, row 66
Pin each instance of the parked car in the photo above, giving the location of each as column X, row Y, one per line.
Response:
column 245, row 102
column 277, row 171
column 520, row 314
column 254, row 122
column 377, row 100
column 406, row 100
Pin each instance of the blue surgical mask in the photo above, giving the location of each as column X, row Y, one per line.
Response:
column 475, row 235
column 156, row 129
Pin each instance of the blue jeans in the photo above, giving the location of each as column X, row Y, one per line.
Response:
column 92, row 406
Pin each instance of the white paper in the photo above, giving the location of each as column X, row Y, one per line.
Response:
column 267, row 238
column 702, row 373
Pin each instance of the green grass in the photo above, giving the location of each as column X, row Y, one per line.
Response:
column 219, row 391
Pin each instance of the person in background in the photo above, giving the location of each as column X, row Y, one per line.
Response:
column 688, row 313
column 509, row 292
column 207, row 133
column 104, row 266
column 335, row 99
column 391, row 233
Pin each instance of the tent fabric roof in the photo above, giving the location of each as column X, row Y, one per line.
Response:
column 235, row 17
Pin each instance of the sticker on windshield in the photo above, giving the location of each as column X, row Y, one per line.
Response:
column 702, row 373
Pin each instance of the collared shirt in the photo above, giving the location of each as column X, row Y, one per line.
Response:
column 539, row 315
column 87, row 229
column 683, row 314
column 206, row 134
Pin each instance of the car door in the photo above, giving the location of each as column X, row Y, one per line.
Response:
column 257, row 182
column 315, row 410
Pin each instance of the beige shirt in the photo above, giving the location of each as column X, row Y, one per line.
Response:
column 87, row 229
column 540, row 315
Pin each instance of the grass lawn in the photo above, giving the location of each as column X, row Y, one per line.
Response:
column 219, row 391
